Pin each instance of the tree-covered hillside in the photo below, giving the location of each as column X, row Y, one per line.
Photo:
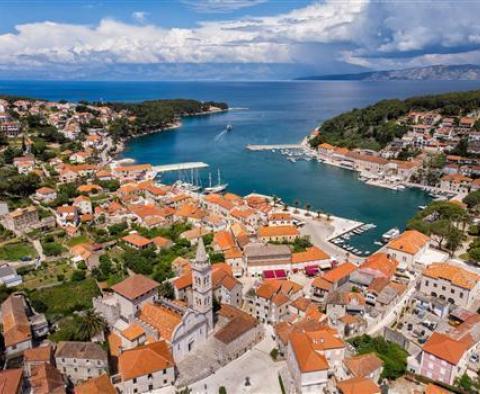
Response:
column 375, row 126
column 157, row 114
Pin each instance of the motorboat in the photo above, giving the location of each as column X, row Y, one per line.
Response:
column 391, row 234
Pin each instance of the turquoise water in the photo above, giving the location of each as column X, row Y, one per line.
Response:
column 267, row 113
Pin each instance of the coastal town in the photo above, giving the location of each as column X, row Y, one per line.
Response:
column 115, row 282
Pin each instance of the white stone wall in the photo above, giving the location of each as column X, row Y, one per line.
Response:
column 146, row 383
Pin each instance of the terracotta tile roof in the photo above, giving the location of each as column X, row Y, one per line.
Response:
column 301, row 303
column 434, row 389
column 321, row 283
column 191, row 211
column 358, row 386
column 98, row 385
column 162, row 242
column 446, row 348
column 325, row 338
column 11, row 381
column 280, row 216
column 455, row 275
column 162, row 319
column 363, row 365
column 239, row 323
column 379, row 264
column 219, row 200
column 410, row 242
column 277, row 231
column 233, row 253
column 135, row 286
column 16, row 327
column 242, row 213
column 271, row 287
column 42, row 353
column 89, row 188
column 133, row 168
column 114, row 344
column 144, row 360
column 45, row 190
column 136, row 240
column 308, row 359
column 339, row 272
column 224, row 240
column 46, row 379
column 311, row 254
column 133, row 331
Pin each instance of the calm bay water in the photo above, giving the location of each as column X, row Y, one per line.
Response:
column 264, row 113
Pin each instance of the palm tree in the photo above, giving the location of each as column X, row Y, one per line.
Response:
column 297, row 204
column 90, row 324
column 307, row 208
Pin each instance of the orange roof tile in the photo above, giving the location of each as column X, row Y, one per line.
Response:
column 11, row 380
column 136, row 240
column 447, row 348
column 144, row 360
column 133, row 331
column 358, row 385
column 16, row 327
column 455, row 275
column 161, row 318
column 224, row 240
column 277, row 231
column 311, row 254
column 339, row 272
column 380, row 263
column 98, row 385
column 135, row 286
column 308, row 359
column 410, row 242
column 364, row 364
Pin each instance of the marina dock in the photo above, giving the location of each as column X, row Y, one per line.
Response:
column 179, row 167
column 273, row 147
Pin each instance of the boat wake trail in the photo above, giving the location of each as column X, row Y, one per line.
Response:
column 220, row 135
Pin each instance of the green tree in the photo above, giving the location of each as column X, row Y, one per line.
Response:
column 90, row 324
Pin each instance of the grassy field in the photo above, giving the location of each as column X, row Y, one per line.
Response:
column 66, row 298
column 81, row 239
column 17, row 250
column 50, row 274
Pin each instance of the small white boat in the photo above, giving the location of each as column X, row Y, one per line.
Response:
column 390, row 234
column 219, row 187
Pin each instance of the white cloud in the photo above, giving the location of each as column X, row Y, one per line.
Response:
column 220, row 6
column 366, row 33
column 140, row 16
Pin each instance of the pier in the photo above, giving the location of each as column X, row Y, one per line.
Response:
column 272, row 147
column 179, row 167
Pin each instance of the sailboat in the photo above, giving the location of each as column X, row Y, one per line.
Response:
column 219, row 187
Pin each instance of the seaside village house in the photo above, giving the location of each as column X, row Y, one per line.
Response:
column 446, row 355
column 408, row 248
column 134, row 311
column 80, row 361
column 21, row 325
column 450, row 282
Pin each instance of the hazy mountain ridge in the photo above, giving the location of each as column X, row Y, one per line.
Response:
column 438, row 72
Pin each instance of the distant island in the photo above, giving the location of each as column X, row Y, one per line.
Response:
column 469, row 72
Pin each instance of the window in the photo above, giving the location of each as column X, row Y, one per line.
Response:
column 434, row 285
column 444, row 288
column 427, row 283
column 452, row 291
column 164, row 371
column 150, row 376
column 134, row 380
column 461, row 294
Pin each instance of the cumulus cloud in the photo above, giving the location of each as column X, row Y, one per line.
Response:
column 364, row 33
column 220, row 6
column 140, row 16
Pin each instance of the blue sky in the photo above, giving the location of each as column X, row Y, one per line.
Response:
column 231, row 39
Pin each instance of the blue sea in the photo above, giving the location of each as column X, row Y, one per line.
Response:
column 264, row 113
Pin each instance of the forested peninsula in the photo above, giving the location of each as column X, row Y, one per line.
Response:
column 375, row 126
